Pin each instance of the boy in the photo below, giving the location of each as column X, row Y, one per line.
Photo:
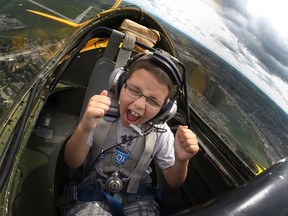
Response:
column 146, row 90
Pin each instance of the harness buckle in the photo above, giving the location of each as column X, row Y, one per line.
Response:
column 114, row 184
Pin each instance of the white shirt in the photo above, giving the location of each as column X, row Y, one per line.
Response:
column 163, row 152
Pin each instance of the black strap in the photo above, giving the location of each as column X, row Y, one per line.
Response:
column 111, row 51
column 99, row 79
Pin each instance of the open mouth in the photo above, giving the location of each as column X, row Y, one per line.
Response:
column 132, row 116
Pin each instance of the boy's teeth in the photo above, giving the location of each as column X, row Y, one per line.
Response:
column 135, row 114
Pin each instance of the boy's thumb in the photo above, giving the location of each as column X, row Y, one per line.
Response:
column 104, row 93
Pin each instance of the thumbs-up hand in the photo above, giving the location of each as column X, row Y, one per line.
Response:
column 97, row 106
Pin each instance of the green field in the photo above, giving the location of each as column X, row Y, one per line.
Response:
column 38, row 27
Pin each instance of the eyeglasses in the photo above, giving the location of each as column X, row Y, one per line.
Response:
column 135, row 93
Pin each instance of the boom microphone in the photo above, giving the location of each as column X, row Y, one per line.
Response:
column 136, row 130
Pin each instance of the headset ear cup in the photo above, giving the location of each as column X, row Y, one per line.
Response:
column 116, row 81
column 167, row 112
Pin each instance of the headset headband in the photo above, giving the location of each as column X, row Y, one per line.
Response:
column 168, row 65
column 164, row 62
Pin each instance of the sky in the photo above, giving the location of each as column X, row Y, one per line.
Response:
column 249, row 34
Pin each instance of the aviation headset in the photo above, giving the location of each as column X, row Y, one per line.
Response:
column 118, row 78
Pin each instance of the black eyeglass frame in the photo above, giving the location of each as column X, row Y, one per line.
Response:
column 140, row 94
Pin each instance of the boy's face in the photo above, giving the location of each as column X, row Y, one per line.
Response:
column 136, row 111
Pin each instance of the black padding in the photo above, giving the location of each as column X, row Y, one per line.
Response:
column 99, row 80
column 266, row 194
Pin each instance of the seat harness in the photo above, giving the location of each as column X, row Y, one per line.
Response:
column 133, row 170
column 134, row 167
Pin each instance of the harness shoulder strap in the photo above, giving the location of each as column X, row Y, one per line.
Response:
column 122, row 58
column 142, row 165
column 126, row 50
column 101, row 136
